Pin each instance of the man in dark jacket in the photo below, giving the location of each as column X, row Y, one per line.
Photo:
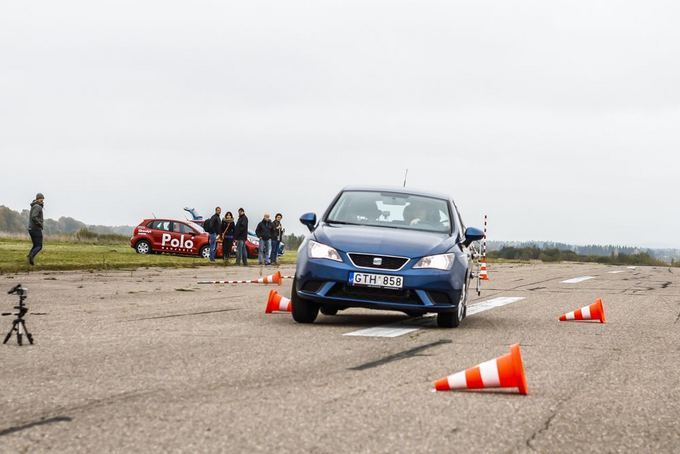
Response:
column 35, row 226
column 264, row 233
column 213, row 227
column 241, row 236
column 277, row 237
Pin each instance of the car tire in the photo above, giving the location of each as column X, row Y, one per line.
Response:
column 204, row 252
column 304, row 311
column 453, row 319
column 143, row 247
column 328, row 310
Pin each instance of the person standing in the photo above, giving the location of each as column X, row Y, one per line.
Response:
column 241, row 236
column 227, row 233
column 277, row 238
column 264, row 233
column 35, row 226
column 214, row 227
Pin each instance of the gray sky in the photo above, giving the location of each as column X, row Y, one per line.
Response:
column 560, row 119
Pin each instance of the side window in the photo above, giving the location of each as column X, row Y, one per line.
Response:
column 159, row 225
column 183, row 228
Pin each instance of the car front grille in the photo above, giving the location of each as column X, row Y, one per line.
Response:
column 404, row 296
column 386, row 262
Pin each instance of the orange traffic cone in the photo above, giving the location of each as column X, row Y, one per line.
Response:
column 506, row 371
column 278, row 303
column 483, row 275
column 271, row 279
column 593, row 312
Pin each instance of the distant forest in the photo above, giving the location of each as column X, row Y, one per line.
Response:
column 14, row 222
column 550, row 248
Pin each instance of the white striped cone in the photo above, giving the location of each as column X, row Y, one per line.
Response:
column 594, row 311
column 278, row 303
column 483, row 274
column 271, row 279
column 506, row 371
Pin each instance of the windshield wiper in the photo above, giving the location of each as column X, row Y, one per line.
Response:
column 328, row 221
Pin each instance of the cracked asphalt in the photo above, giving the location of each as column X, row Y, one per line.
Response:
column 148, row 360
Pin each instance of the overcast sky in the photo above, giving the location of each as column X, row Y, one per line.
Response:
column 559, row 119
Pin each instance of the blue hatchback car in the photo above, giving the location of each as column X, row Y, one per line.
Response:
column 385, row 248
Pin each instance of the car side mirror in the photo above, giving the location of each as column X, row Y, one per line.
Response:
column 309, row 219
column 472, row 234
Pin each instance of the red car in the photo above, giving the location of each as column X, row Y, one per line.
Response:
column 175, row 236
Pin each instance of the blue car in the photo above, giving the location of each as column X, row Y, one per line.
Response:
column 385, row 248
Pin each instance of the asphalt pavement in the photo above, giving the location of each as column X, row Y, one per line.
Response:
column 150, row 361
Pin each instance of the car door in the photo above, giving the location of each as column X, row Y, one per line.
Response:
column 159, row 230
column 184, row 237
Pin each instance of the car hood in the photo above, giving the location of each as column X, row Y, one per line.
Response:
column 383, row 241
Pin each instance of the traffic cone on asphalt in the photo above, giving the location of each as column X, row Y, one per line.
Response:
column 271, row 279
column 593, row 312
column 506, row 371
column 278, row 303
column 483, row 274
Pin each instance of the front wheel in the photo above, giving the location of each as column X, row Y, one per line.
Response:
column 304, row 311
column 205, row 252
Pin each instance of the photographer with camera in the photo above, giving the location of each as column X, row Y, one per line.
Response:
column 35, row 226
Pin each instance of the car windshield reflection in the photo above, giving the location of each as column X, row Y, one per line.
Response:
column 392, row 210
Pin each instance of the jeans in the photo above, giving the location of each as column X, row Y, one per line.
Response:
column 241, row 252
column 213, row 246
column 274, row 256
column 227, row 244
column 264, row 251
column 37, row 238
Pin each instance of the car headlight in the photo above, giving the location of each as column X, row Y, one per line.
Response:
column 321, row 251
column 439, row 261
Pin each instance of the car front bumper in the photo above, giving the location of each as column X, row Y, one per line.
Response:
column 424, row 290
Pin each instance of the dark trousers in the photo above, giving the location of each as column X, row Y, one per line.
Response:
column 274, row 256
column 37, row 238
column 227, row 245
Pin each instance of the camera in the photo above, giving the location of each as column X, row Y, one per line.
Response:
column 19, row 290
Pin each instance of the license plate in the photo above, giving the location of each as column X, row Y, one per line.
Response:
column 376, row 280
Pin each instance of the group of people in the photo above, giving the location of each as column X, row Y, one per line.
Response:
column 228, row 231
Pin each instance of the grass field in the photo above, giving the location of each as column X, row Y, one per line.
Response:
column 70, row 255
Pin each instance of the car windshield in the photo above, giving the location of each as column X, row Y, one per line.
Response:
column 388, row 209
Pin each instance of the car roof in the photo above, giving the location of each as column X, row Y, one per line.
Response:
column 398, row 190
column 168, row 219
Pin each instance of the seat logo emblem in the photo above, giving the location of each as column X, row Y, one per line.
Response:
column 377, row 261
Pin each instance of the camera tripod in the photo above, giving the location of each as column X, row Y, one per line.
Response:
column 19, row 324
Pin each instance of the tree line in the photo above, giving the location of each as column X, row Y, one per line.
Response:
column 559, row 255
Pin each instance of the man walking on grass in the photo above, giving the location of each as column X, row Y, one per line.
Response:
column 35, row 226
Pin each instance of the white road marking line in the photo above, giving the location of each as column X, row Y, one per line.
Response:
column 492, row 303
column 576, row 280
column 382, row 331
column 631, row 267
column 617, row 272
column 409, row 326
